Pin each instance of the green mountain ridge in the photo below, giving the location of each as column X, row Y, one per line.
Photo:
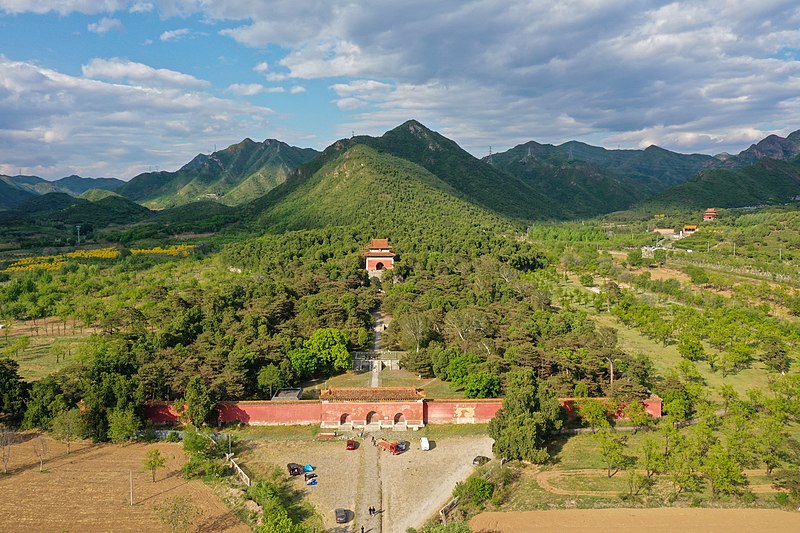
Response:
column 363, row 187
column 768, row 181
column 232, row 176
column 588, row 189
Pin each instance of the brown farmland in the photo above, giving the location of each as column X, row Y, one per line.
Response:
column 88, row 490
column 665, row 520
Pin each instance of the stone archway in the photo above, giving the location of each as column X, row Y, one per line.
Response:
column 379, row 266
column 399, row 418
column 344, row 419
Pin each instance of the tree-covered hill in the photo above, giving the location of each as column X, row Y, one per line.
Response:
column 381, row 195
column 586, row 189
column 11, row 194
column 466, row 176
column 237, row 174
column 769, row 181
column 653, row 166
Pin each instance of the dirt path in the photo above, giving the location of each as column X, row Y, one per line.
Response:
column 664, row 520
column 370, row 490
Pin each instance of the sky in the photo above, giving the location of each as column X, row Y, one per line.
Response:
column 113, row 88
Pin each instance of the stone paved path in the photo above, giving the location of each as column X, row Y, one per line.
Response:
column 370, row 491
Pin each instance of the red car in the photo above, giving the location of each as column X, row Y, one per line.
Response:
column 351, row 444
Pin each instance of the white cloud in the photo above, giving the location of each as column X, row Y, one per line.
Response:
column 95, row 128
column 297, row 89
column 261, row 67
column 141, row 7
column 246, row 89
column 105, row 25
column 124, row 70
column 174, row 35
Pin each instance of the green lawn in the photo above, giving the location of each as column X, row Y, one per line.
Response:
column 38, row 360
column 666, row 357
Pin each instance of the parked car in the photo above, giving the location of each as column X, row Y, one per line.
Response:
column 424, row 444
column 351, row 444
column 294, row 469
column 403, row 445
column 480, row 460
column 341, row 516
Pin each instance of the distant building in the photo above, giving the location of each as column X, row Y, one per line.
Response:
column 379, row 256
column 688, row 230
column 666, row 232
column 710, row 214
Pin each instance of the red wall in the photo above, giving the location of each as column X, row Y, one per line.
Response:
column 651, row 405
column 271, row 412
column 412, row 412
column 300, row 412
column 461, row 412
column 388, row 262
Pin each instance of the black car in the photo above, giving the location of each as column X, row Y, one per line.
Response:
column 480, row 460
column 403, row 445
column 294, row 469
column 341, row 516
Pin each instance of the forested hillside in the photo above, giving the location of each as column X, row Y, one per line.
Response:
column 237, row 174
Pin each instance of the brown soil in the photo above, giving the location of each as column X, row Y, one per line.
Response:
column 89, row 490
column 665, row 520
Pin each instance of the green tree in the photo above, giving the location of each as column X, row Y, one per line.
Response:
column 481, row 385
column 612, row 449
column 153, row 460
column 775, row 355
column 199, row 404
column 122, row 425
column 636, row 412
column 475, row 489
column 594, row 412
column 68, row 426
column 270, row 380
column 721, row 471
column 530, row 412
column 635, row 258
column 691, row 348
column 12, row 390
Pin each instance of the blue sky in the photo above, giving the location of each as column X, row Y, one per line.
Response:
column 118, row 87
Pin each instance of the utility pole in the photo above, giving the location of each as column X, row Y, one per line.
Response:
column 78, row 227
column 131, row 476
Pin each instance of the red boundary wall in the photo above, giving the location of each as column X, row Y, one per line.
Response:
column 299, row 412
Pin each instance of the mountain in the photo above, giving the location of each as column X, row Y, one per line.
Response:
column 231, row 176
column 76, row 185
column 771, row 147
column 61, row 208
column 15, row 190
column 768, row 181
column 654, row 167
column 586, row 189
column 11, row 194
column 464, row 175
column 362, row 187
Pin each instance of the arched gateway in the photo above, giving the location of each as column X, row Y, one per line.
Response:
column 373, row 408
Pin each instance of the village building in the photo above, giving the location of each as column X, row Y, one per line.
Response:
column 666, row 232
column 379, row 257
column 710, row 214
column 688, row 230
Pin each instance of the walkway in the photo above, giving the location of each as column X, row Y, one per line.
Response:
column 369, row 490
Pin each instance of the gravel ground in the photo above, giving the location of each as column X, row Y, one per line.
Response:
column 410, row 488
